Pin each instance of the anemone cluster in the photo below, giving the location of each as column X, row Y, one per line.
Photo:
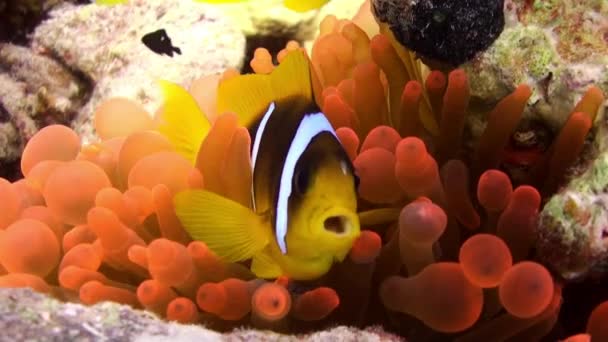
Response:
column 447, row 245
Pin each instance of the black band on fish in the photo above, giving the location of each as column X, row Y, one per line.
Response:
column 310, row 126
column 256, row 144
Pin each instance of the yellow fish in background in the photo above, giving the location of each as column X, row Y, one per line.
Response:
column 304, row 199
column 294, row 5
column 110, row 2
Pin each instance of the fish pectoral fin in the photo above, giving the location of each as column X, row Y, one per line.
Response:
column 229, row 229
column 263, row 266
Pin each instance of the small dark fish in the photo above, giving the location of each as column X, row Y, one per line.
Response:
column 159, row 42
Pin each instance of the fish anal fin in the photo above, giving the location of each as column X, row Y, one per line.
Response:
column 229, row 229
column 182, row 121
column 263, row 266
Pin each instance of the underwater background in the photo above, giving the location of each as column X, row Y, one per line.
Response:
column 476, row 131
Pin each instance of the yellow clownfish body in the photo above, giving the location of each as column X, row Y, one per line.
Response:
column 303, row 216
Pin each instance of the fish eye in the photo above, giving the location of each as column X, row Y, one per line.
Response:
column 302, row 180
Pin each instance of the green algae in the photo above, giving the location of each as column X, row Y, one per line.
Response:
column 580, row 28
column 528, row 46
column 573, row 222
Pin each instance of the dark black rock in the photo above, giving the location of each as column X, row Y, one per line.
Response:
column 446, row 31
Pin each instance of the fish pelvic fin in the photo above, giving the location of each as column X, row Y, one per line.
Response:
column 250, row 95
column 182, row 121
column 229, row 229
column 263, row 266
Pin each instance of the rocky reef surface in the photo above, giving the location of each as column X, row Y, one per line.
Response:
column 557, row 47
column 103, row 43
column 83, row 54
column 26, row 315
column 573, row 225
column 35, row 91
column 63, row 74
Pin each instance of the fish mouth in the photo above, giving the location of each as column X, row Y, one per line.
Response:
column 338, row 224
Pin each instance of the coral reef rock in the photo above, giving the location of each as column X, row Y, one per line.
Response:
column 35, row 91
column 573, row 224
column 558, row 47
column 10, row 141
column 104, row 43
column 18, row 18
column 28, row 315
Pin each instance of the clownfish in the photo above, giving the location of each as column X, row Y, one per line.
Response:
column 303, row 213
column 294, row 5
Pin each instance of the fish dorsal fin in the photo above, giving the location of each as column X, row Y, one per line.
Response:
column 245, row 95
column 292, row 77
column 182, row 121
column 249, row 95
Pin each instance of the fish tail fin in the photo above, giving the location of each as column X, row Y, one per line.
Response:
column 251, row 94
column 229, row 229
column 182, row 121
